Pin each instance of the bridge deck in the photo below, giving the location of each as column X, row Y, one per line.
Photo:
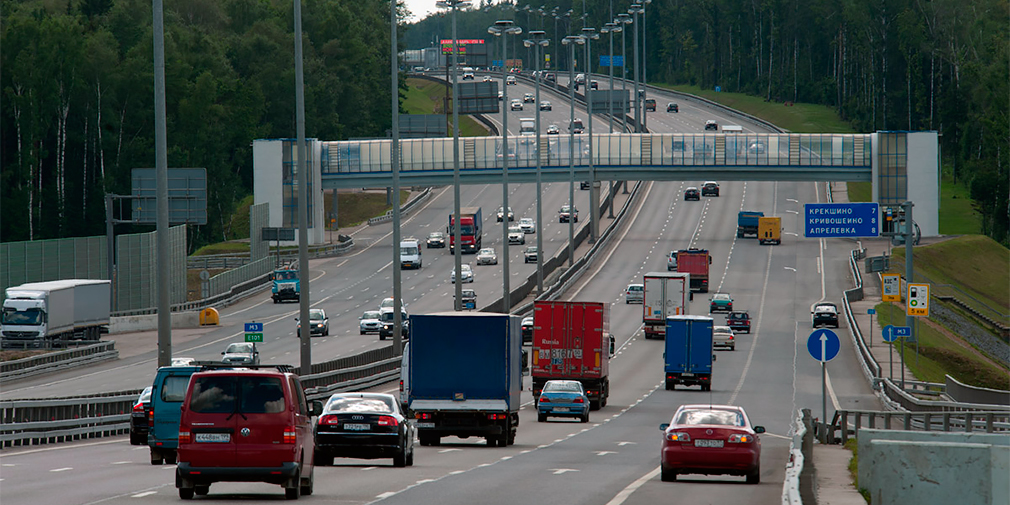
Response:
column 620, row 156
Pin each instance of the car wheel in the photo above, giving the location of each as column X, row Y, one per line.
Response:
column 732, row 347
column 201, row 490
column 363, row 332
column 492, row 441
column 170, row 458
column 134, row 439
column 670, row 386
column 326, row 332
column 322, row 459
column 410, row 458
column 594, row 405
column 585, row 418
column 667, row 475
column 541, row 418
column 186, row 493
column 400, row 460
column 754, row 477
column 381, row 337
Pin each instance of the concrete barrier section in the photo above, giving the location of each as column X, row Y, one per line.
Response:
column 148, row 322
column 927, row 468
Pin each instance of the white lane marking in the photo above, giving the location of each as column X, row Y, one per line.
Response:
column 423, row 481
column 783, row 437
column 62, row 469
column 121, row 462
column 145, row 493
column 385, row 495
column 443, row 451
column 561, row 471
column 367, row 468
column 604, row 453
column 831, row 390
column 622, row 443
column 626, row 492
column 457, row 472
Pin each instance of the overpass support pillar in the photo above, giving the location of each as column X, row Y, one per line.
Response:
column 594, row 212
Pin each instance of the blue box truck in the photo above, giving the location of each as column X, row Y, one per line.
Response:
column 747, row 223
column 465, row 376
column 688, row 357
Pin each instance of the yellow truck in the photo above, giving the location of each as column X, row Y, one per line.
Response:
column 769, row 230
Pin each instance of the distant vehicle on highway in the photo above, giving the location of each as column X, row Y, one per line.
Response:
column 365, row 426
column 516, row 104
column 692, row 193
column 568, row 213
column 553, row 130
column 720, row 301
column 824, row 314
column 528, row 225
column 529, row 98
column 634, row 293
column 319, row 324
column 465, row 276
column 435, row 239
column 369, row 322
column 241, row 353
column 722, row 336
column 139, row 418
column 530, row 254
column 563, row 398
column 545, row 105
column 672, row 107
column 516, row 235
column 711, row 125
column 710, row 188
column 487, row 256
column 738, row 320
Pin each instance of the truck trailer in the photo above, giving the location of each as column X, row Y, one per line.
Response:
column 465, row 376
column 688, row 358
column 52, row 314
column 747, row 223
column 666, row 294
column 571, row 341
column 469, row 230
column 695, row 262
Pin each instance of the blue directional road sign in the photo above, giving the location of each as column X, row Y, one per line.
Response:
column 605, row 61
column 253, row 327
column 828, row 220
column 892, row 333
column 823, row 345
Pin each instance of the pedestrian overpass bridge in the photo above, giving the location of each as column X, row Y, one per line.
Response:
column 900, row 165
column 619, row 156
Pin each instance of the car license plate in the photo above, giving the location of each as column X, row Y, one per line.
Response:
column 707, row 443
column 560, row 409
column 687, row 375
column 213, row 437
column 425, row 425
column 357, row 427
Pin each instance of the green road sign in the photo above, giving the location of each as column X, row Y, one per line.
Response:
column 253, row 337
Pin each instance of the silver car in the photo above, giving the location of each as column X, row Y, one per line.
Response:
column 528, row 225
column 634, row 293
column 723, row 336
column 369, row 322
column 516, row 235
column 465, row 276
column 487, row 256
column 241, row 353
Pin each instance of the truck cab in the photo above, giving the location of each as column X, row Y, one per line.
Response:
column 286, row 285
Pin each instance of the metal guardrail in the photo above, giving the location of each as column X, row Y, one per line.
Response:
column 965, row 421
column 798, row 482
column 45, row 363
column 42, row 421
column 405, row 209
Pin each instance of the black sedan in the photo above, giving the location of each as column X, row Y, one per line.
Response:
column 365, row 426
column 435, row 239
column 138, row 418
column 692, row 193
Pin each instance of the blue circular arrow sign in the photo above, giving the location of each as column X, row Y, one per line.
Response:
column 888, row 333
column 823, row 345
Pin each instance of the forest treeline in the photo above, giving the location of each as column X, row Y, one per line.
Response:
column 940, row 65
column 77, row 86
column 76, row 109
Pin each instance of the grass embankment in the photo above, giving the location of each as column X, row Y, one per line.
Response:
column 984, row 278
column 427, row 97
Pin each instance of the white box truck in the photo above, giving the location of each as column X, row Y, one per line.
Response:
column 666, row 294
column 51, row 314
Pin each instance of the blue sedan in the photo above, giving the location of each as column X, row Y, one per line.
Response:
column 561, row 398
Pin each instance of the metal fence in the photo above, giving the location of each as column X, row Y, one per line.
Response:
column 48, row 260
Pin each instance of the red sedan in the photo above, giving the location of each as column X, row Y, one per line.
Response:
column 711, row 440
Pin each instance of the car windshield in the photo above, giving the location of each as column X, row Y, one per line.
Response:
column 486, row 252
column 636, row 287
column 738, row 315
column 721, row 329
column 387, row 317
column 386, row 302
column 515, row 229
column 369, row 405
column 370, row 314
column 254, row 395
column 31, row 317
column 563, row 386
column 716, row 417
column 721, row 297
column 436, row 234
column 316, row 314
column 239, row 348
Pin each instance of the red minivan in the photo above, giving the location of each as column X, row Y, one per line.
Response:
column 246, row 425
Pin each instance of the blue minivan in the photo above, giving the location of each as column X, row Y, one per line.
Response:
column 167, row 394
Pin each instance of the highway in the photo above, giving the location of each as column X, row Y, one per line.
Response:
column 613, row 459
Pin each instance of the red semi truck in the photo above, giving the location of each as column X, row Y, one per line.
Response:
column 572, row 341
column 695, row 262
column 469, row 230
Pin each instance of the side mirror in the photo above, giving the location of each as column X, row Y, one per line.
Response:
column 317, row 408
column 664, row 426
column 691, row 296
column 222, row 353
column 613, row 344
column 759, row 429
column 713, row 358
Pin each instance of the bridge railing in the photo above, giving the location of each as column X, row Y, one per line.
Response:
column 614, row 149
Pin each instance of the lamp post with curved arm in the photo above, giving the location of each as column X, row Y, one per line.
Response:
column 589, row 34
column 645, row 67
column 610, row 29
column 537, row 40
column 455, row 5
column 635, row 10
column 501, row 29
column 571, row 41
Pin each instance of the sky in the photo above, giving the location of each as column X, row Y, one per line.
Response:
column 420, row 9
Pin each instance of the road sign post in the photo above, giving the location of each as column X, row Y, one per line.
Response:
column 823, row 345
column 254, row 332
column 871, row 312
column 829, row 220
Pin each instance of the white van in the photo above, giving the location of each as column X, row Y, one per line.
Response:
column 410, row 253
column 732, row 128
column 527, row 126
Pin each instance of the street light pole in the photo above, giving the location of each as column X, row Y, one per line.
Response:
column 537, row 39
column 501, row 29
column 458, row 253
column 589, row 34
column 645, row 58
column 394, row 81
column 624, row 20
column 610, row 29
column 634, row 10
column 570, row 41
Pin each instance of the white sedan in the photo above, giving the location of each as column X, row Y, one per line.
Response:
column 723, row 336
column 516, row 235
column 517, row 104
column 466, row 276
column 487, row 256
column 528, row 225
